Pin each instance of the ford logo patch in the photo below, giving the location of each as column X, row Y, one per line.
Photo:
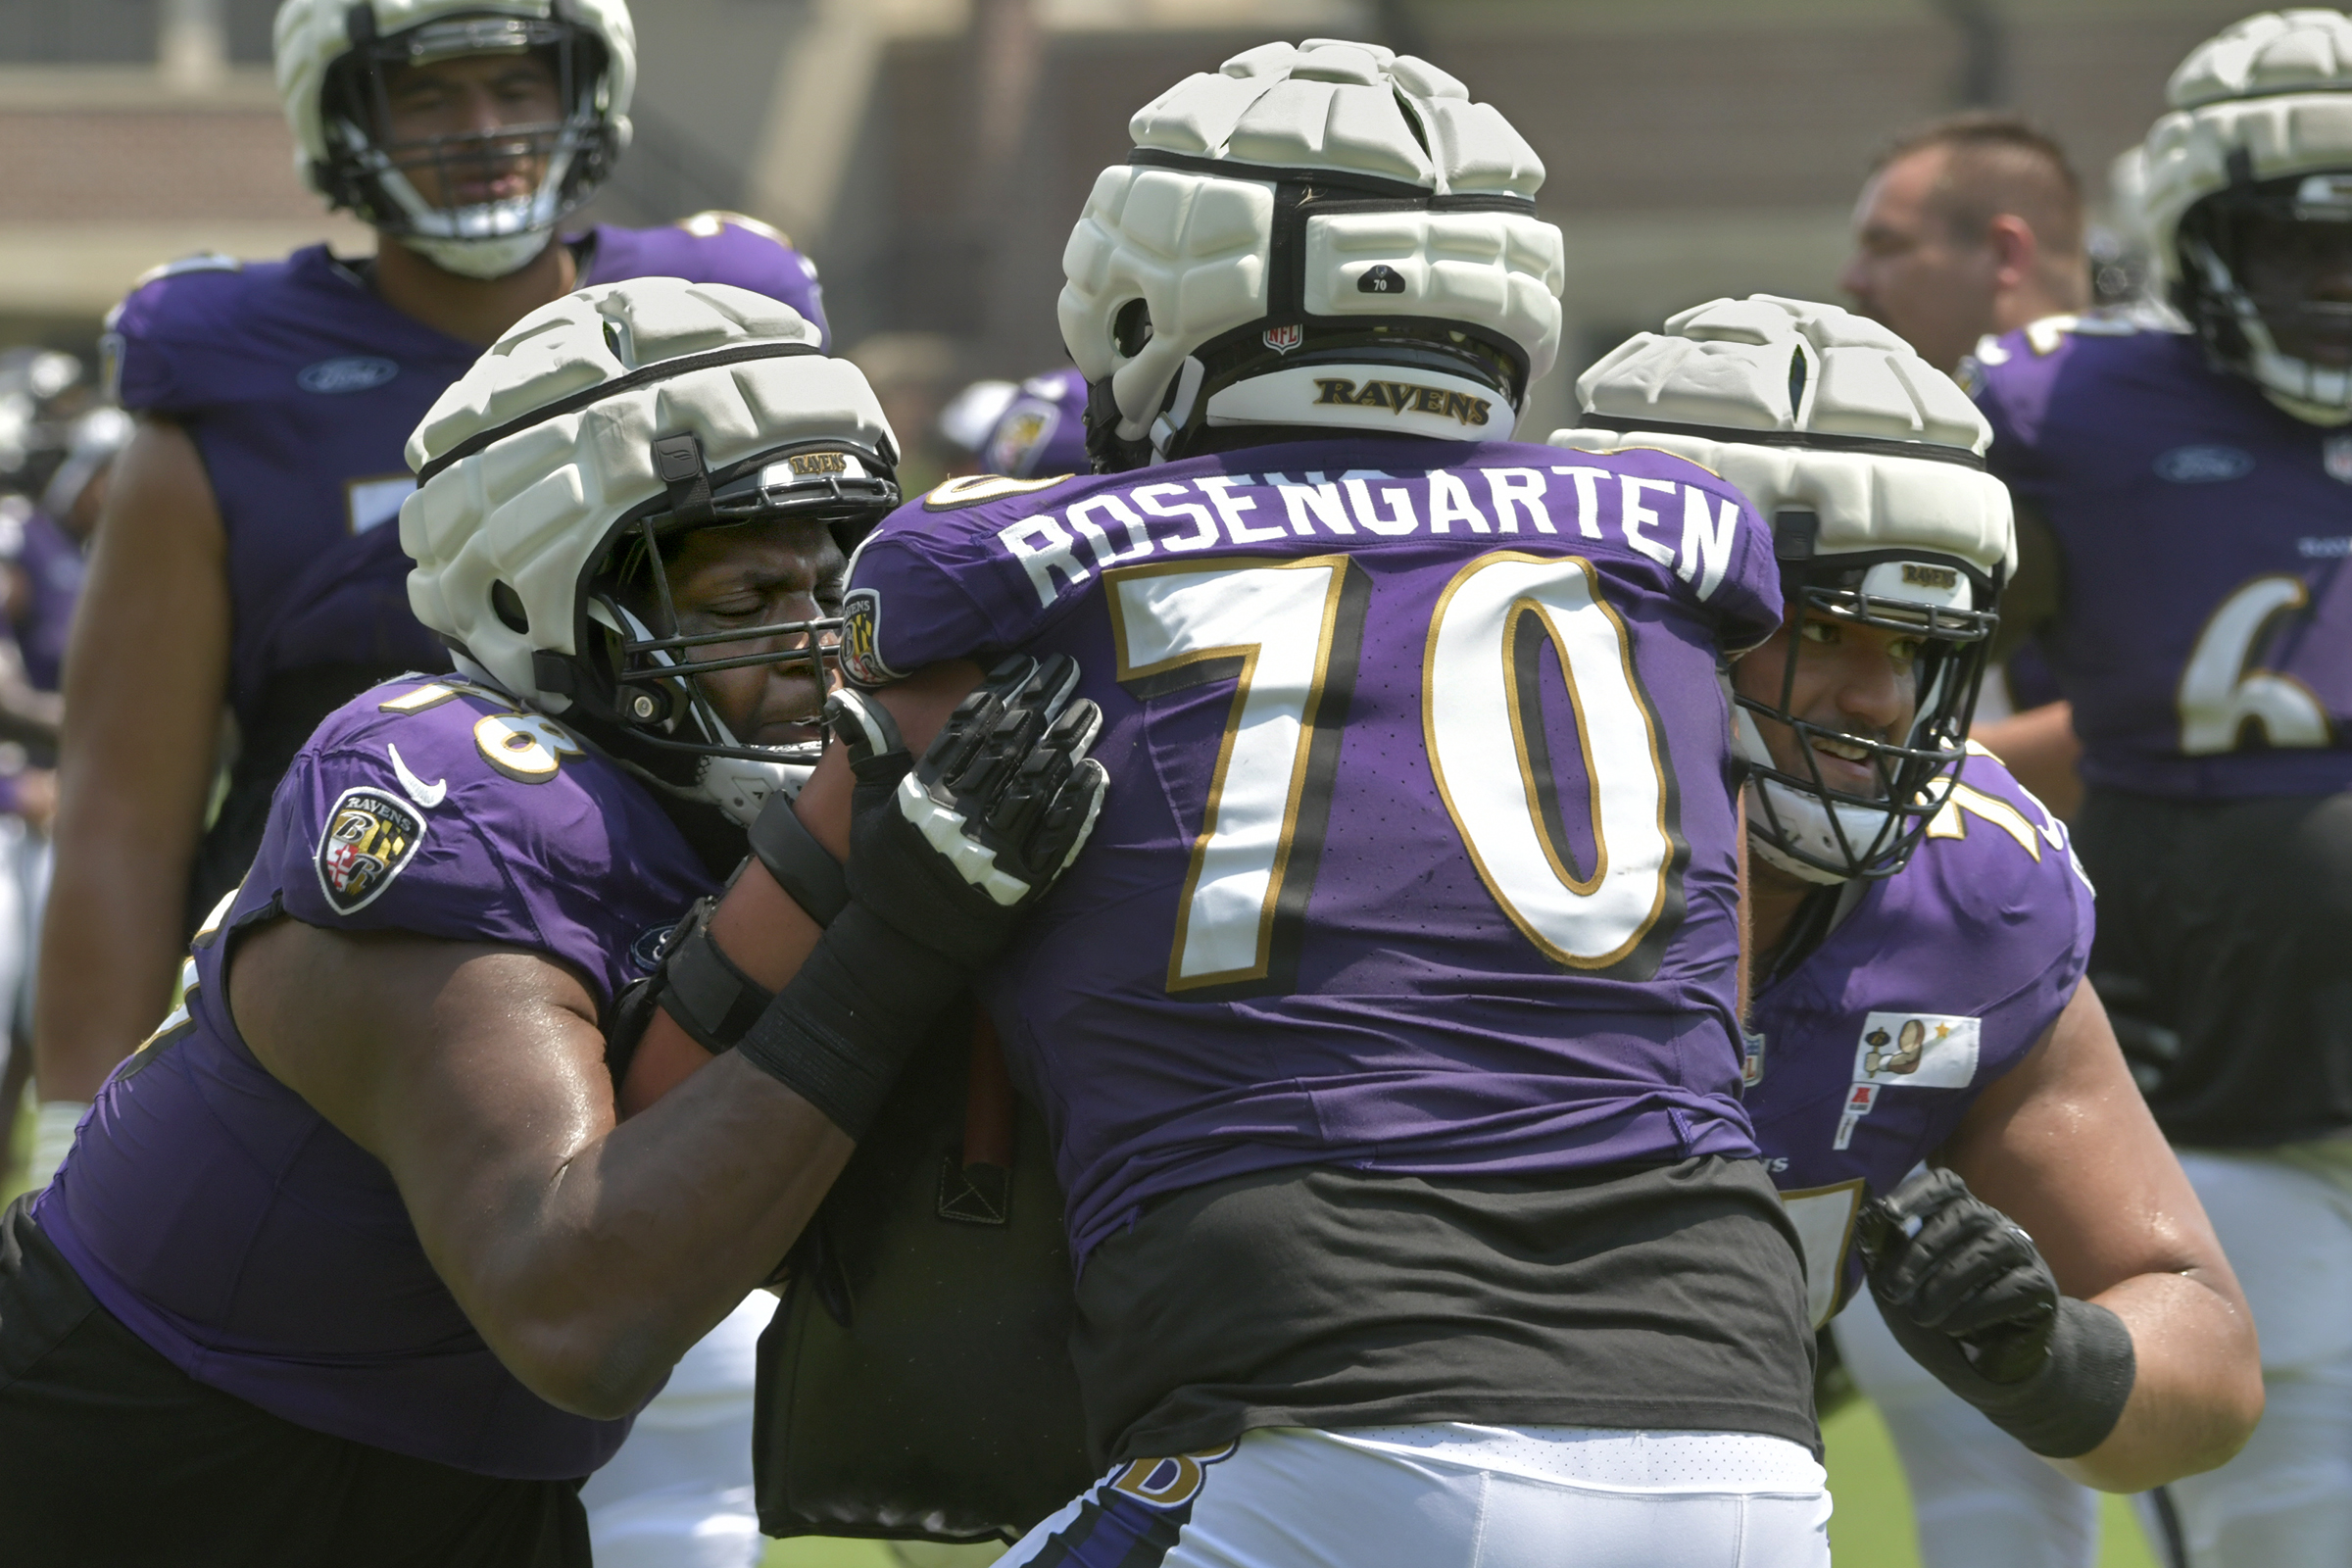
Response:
column 2204, row 464
column 353, row 373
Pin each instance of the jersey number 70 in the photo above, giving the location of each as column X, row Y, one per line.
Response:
column 1289, row 634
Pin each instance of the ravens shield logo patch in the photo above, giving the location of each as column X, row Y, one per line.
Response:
column 370, row 837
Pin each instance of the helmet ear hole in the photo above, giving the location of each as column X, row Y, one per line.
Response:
column 507, row 603
column 1131, row 329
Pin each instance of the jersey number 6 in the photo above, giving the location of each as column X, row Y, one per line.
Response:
column 1288, row 634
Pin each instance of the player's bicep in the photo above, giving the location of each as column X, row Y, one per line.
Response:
column 473, row 1072
column 2063, row 1144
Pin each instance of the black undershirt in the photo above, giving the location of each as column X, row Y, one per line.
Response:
column 1668, row 1298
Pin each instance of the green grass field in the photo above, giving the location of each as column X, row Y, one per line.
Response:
column 1872, row 1528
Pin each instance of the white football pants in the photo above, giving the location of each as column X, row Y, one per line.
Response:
column 2284, row 1216
column 1452, row 1496
column 678, row 1494
column 1980, row 1498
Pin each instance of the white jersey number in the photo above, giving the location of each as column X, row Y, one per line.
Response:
column 1287, row 634
column 2220, row 697
column 1480, row 705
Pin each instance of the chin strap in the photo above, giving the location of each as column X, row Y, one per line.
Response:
column 482, row 259
column 2326, row 416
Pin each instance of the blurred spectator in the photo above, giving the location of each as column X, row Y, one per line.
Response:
column 55, row 459
column 1043, row 429
column 1970, row 225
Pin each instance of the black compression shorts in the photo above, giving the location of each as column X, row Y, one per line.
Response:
column 110, row 1454
column 2224, row 958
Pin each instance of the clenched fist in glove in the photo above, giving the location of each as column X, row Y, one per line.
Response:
column 1968, row 1295
column 945, row 855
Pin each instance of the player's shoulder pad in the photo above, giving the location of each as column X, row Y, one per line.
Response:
column 179, row 311
column 442, row 738
column 718, row 247
column 969, row 490
column 2084, row 340
column 1997, row 845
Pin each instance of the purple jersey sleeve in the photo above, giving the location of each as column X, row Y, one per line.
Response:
column 1865, row 1058
column 161, row 353
column 439, row 808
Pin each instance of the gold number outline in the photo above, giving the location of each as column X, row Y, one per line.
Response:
column 1322, row 716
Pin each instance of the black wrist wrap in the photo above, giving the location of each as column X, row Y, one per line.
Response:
column 841, row 1029
column 703, row 990
column 801, row 866
column 2068, row 1404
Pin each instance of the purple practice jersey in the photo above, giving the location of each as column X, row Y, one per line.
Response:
column 1377, row 885
column 235, row 1230
column 300, row 387
column 1864, row 1057
column 2205, row 631
column 1042, row 432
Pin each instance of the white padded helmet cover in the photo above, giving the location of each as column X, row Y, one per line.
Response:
column 2279, row 85
column 1195, row 247
column 1728, row 364
column 531, row 509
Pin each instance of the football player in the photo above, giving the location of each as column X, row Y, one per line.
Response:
column 2193, row 484
column 1387, row 1034
column 1920, row 935
column 350, row 1263
column 247, row 532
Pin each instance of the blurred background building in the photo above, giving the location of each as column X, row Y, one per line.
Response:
column 931, row 154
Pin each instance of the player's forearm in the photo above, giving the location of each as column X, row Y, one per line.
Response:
column 2196, row 1389
column 111, row 942
column 627, row 1253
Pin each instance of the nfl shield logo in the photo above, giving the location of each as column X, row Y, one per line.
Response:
column 2336, row 452
column 1283, row 340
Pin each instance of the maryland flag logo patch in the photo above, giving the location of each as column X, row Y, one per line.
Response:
column 371, row 837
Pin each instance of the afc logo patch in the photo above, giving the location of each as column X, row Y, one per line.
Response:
column 371, row 837
column 861, row 638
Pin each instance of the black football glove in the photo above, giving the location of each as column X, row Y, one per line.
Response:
column 952, row 850
column 1967, row 1294
column 1949, row 1261
column 945, row 855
